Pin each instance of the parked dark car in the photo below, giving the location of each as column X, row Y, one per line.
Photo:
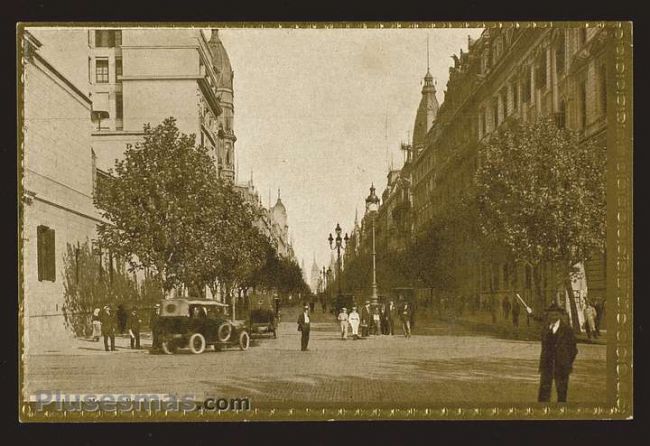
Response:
column 197, row 324
column 263, row 321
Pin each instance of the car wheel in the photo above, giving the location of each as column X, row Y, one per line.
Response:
column 197, row 343
column 169, row 347
column 244, row 340
column 224, row 332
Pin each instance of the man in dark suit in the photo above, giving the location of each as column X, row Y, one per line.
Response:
column 304, row 324
column 559, row 350
column 366, row 319
column 390, row 313
column 109, row 326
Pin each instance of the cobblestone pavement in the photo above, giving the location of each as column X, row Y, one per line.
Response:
column 441, row 363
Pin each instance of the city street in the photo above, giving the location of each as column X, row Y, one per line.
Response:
column 441, row 363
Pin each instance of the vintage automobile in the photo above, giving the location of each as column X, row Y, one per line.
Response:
column 263, row 321
column 197, row 324
column 263, row 318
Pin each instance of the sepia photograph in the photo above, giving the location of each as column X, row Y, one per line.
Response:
column 325, row 221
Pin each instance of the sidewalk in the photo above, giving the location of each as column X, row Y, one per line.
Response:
column 86, row 346
column 482, row 321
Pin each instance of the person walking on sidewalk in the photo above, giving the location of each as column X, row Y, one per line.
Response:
column 391, row 310
column 558, row 353
column 599, row 306
column 590, row 320
column 109, row 325
column 304, row 325
column 354, row 320
column 366, row 319
column 134, row 329
column 405, row 316
column 96, row 324
column 155, row 329
column 343, row 321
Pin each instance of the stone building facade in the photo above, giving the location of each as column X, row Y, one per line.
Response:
column 56, row 192
column 140, row 76
column 507, row 73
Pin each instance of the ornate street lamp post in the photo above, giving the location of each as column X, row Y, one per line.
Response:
column 372, row 208
column 337, row 245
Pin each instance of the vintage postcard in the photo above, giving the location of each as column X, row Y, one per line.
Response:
column 325, row 221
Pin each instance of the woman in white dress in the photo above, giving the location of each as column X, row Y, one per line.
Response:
column 96, row 324
column 354, row 320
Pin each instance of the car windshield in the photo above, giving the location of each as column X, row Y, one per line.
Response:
column 197, row 311
column 215, row 312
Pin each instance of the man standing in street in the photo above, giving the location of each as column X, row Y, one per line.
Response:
column 366, row 320
column 109, row 323
column 390, row 321
column 405, row 316
column 304, row 324
column 559, row 350
column 343, row 321
column 153, row 324
column 134, row 329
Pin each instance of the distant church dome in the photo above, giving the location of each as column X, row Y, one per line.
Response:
column 279, row 212
column 427, row 111
column 220, row 60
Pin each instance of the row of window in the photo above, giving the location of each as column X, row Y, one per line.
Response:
column 108, row 38
column 101, row 69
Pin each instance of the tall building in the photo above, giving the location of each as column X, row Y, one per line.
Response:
column 315, row 279
column 280, row 229
column 508, row 73
column 57, row 189
column 511, row 73
column 140, row 76
column 271, row 222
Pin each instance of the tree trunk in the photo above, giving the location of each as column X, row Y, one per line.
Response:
column 537, row 287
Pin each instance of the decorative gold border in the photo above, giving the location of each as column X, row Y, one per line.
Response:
column 619, row 261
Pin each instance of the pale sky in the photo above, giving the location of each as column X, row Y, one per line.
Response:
column 319, row 113
column 311, row 107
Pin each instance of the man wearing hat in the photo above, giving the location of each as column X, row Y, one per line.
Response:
column 133, row 326
column 559, row 350
column 343, row 320
column 366, row 319
column 109, row 324
column 153, row 324
column 304, row 324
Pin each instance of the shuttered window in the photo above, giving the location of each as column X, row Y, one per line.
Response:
column 46, row 255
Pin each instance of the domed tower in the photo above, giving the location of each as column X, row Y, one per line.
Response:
column 279, row 214
column 226, row 142
column 426, row 114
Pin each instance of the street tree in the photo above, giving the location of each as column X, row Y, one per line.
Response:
column 540, row 192
column 159, row 202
